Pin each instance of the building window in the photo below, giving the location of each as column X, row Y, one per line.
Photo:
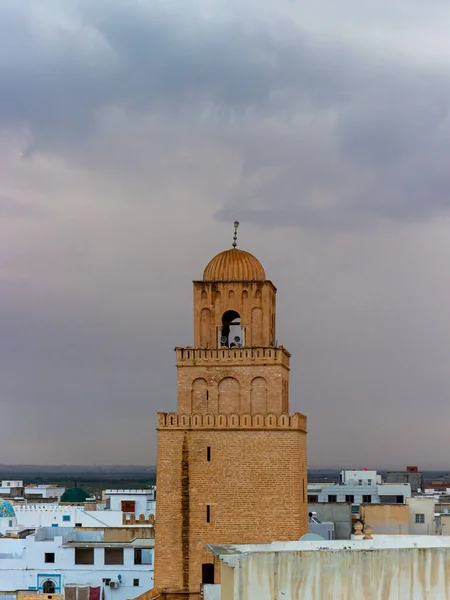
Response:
column 136, row 582
column 49, row 557
column 128, row 506
column 208, row 453
column 208, row 513
column 113, row 556
column 313, row 498
column 84, row 556
column 369, row 481
column 66, row 518
column 78, row 524
column 420, row 518
column 332, row 498
column 350, row 498
column 208, row 573
column 400, row 500
column 143, row 556
column 367, row 499
column 106, row 580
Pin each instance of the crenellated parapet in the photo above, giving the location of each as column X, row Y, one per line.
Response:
column 233, row 421
column 132, row 519
column 255, row 355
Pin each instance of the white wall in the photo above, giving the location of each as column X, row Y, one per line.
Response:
column 47, row 515
column 387, row 574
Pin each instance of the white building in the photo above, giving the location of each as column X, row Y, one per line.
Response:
column 394, row 567
column 139, row 502
column 52, row 557
column 55, row 557
column 44, row 491
column 11, row 488
column 359, row 487
column 134, row 508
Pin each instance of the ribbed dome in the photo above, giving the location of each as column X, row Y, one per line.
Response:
column 234, row 264
column 6, row 509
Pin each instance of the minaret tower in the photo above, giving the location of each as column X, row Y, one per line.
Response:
column 232, row 461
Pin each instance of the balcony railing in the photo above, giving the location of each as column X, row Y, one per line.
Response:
column 249, row 355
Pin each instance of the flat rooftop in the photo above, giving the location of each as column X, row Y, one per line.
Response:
column 379, row 542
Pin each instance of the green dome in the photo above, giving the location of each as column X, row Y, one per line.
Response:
column 75, row 496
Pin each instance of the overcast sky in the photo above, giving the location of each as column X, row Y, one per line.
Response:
column 133, row 133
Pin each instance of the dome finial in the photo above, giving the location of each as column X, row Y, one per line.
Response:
column 236, row 225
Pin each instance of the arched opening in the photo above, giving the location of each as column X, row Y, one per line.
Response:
column 49, row 587
column 231, row 334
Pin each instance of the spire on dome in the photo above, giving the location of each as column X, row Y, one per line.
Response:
column 236, row 225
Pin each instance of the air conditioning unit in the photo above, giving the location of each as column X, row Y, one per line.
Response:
column 114, row 585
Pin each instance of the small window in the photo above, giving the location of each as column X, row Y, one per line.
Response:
column 350, row 498
column 66, row 518
column 420, row 518
column 113, row 556
column 106, row 580
column 136, row 582
column 332, row 498
column 143, row 556
column 128, row 506
column 359, row 481
column 208, row 453
column 400, row 500
column 367, row 499
column 10, row 523
column 78, row 524
column 49, row 557
column 208, row 573
column 208, row 513
column 369, row 481
column 312, row 498
column 84, row 556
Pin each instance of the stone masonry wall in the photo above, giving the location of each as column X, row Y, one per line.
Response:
column 254, row 484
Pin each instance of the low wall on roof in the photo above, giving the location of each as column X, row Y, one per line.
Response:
column 372, row 574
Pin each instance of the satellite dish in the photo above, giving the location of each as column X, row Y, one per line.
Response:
column 223, row 340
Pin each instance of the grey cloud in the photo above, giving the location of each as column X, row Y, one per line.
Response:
column 10, row 208
column 137, row 123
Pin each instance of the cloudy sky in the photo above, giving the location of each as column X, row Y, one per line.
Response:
column 134, row 132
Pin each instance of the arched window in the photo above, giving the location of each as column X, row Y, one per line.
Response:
column 232, row 332
column 49, row 587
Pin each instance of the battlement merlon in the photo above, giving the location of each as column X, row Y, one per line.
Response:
column 173, row 420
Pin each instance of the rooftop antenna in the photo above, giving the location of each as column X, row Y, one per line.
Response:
column 236, row 225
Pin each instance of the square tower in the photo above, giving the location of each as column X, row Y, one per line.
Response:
column 231, row 463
